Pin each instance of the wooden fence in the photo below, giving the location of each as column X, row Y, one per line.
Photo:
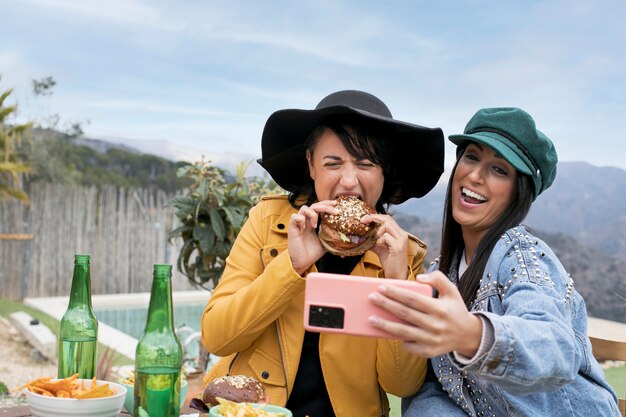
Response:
column 124, row 230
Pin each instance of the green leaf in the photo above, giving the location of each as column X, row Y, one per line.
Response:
column 179, row 231
column 205, row 237
column 182, row 171
column 343, row 237
column 182, row 201
column 4, row 95
column 186, row 207
column 222, row 249
column 13, row 167
column 236, row 216
column 183, row 259
column 217, row 223
column 203, row 190
column 7, row 111
column 19, row 195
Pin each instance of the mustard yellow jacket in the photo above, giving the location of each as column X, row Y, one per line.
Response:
column 254, row 321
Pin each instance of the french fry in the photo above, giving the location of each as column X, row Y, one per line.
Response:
column 233, row 409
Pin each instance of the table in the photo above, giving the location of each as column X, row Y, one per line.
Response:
column 24, row 411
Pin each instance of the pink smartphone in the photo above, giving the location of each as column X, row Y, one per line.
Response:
column 335, row 303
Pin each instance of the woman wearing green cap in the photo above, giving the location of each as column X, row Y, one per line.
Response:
column 507, row 334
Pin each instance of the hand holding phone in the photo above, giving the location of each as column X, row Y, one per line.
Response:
column 336, row 303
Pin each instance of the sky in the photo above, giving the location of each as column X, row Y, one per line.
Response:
column 204, row 75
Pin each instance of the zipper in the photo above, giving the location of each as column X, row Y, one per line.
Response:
column 382, row 401
column 282, row 358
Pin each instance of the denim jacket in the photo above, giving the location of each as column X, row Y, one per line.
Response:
column 541, row 362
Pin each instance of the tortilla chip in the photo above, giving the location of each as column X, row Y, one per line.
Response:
column 96, row 392
column 67, row 388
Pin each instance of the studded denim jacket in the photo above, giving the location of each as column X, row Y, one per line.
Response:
column 541, row 362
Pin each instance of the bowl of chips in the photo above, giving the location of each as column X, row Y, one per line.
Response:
column 48, row 397
column 227, row 408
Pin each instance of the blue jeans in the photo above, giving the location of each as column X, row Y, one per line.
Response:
column 431, row 400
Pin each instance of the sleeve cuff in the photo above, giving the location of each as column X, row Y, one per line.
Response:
column 486, row 343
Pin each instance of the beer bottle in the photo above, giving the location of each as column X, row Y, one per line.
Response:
column 78, row 335
column 158, row 358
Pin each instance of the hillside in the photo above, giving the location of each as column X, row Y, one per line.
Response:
column 56, row 157
column 582, row 216
column 597, row 276
column 585, row 202
column 588, row 203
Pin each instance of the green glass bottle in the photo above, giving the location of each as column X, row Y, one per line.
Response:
column 78, row 335
column 159, row 355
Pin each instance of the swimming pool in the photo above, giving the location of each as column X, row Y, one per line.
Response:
column 132, row 320
column 122, row 317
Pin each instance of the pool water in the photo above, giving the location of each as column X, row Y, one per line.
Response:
column 132, row 320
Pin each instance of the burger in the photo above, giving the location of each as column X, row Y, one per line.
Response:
column 343, row 234
column 235, row 388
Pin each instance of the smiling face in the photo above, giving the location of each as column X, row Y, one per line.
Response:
column 336, row 172
column 482, row 188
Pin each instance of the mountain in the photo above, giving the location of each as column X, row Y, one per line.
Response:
column 174, row 152
column 582, row 217
column 598, row 276
column 585, row 202
column 64, row 159
column 103, row 146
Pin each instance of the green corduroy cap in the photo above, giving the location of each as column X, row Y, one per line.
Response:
column 512, row 133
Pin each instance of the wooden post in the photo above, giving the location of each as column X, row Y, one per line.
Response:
column 16, row 236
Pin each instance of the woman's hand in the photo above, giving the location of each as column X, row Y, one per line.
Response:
column 391, row 245
column 302, row 242
column 434, row 325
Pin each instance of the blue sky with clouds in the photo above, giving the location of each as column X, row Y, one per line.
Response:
column 206, row 74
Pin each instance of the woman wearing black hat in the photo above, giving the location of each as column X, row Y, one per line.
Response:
column 507, row 335
column 348, row 145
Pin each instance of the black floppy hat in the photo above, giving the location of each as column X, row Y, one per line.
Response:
column 418, row 151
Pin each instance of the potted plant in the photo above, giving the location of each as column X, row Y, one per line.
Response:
column 212, row 212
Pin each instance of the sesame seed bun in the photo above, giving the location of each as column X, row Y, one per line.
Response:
column 343, row 234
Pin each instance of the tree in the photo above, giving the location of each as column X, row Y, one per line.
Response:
column 11, row 165
column 212, row 213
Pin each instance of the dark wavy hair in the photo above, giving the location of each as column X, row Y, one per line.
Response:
column 362, row 141
column 452, row 239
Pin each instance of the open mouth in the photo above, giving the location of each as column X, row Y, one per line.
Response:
column 472, row 197
column 348, row 195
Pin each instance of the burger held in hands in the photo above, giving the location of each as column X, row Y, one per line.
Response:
column 344, row 234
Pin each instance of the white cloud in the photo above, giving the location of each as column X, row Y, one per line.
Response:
column 153, row 107
column 130, row 12
column 217, row 69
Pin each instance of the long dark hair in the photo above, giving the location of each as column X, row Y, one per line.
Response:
column 362, row 141
column 452, row 239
